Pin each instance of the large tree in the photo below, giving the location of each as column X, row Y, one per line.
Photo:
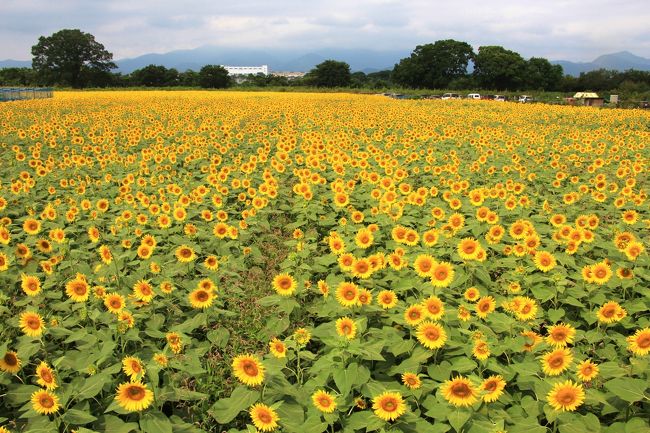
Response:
column 499, row 69
column 155, row 76
column 542, row 75
column 214, row 77
column 330, row 73
column 434, row 65
column 70, row 57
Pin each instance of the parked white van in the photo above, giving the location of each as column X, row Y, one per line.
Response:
column 450, row 96
column 474, row 96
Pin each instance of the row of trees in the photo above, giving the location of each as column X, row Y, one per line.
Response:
column 74, row 58
column 444, row 65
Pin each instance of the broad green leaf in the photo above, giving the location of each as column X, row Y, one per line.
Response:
column 627, row 389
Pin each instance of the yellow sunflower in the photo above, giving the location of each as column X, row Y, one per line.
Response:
column 345, row 327
column 431, row 335
column 389, row 406
column 481, row 350
column 424, row 264
column 566, row 396
column 442, row 274
column 200, row 298
column 264, row 417
column 544, row 261
column 284, row 284
column 114, row 302
column 387, row 299
column 324, row 401
column 411, row 380
column 143, row 291
column 45, row 376
column 414, row 314
column 434, row 307
column 277, row 348
column 639, row 343
column 347, row 294
column 105, row 254
column 587, row 370
column 185, row 254
column 459, row 391
column 493, row 387
column 132, row 367
column 211, row 263
column 45, row 402
column 31, row 324
column 78, row 290
column 560, row 335
column 248, row 369
column 10, row 362
column 30, row 284
column 134, row 396
column 32, row 226
column 610, row 312
column 485, row 306
column 468, row 248
column 554, row 363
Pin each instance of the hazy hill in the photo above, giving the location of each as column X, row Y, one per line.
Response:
column 365, row 60
column 618, row 61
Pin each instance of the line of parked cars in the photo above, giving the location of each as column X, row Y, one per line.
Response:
column 477, row 96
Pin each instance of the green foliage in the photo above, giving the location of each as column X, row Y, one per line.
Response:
column 434, row 66
column 71, row 57
column 498, row 68
column 214, row 77
column 330, row 73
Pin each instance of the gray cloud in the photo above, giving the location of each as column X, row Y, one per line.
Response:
column 558, row 29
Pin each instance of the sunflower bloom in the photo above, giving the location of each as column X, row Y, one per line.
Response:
column 560, row 335
column 45, row 376
column 639, row 343
column 324, row 401
column 345, row 327
column 284, row 284
column 587, row 370
column 10, row 362
column 248, row 369
column 134, row 396
column 132, row 367
column 389, row 406
column 431, row 335
column 45, row 402
column 31, row 324
column 459, row 391
column 566, row 396
column 554, row 363
column 493, row 387
column 264, row 418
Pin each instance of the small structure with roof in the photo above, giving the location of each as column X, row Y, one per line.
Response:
column 588, row 99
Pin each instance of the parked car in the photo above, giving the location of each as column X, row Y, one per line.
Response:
column 525, row 98
column 474, row 96
column 500, row 98
column 450, row 96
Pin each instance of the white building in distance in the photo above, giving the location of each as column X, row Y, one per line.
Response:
column 247, row 70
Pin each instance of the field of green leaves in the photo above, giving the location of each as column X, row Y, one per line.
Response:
column 203, row 261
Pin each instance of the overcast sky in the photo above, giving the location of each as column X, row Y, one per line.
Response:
column 556, row 29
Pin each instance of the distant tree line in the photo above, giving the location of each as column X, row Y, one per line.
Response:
column 75, row 59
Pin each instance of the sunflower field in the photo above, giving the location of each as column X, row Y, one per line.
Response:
column 241, row 262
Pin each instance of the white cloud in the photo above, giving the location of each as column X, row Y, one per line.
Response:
column 570, row 29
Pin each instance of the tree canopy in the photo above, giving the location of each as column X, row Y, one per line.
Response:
column 330, row 73
column 71, row 57
column 214, row 77
column 498, row 68
column 434, row 65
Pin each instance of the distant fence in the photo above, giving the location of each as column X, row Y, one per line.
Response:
column 22, row 93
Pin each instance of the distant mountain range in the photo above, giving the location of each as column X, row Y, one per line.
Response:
column 621, row 61
column 364, row 60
